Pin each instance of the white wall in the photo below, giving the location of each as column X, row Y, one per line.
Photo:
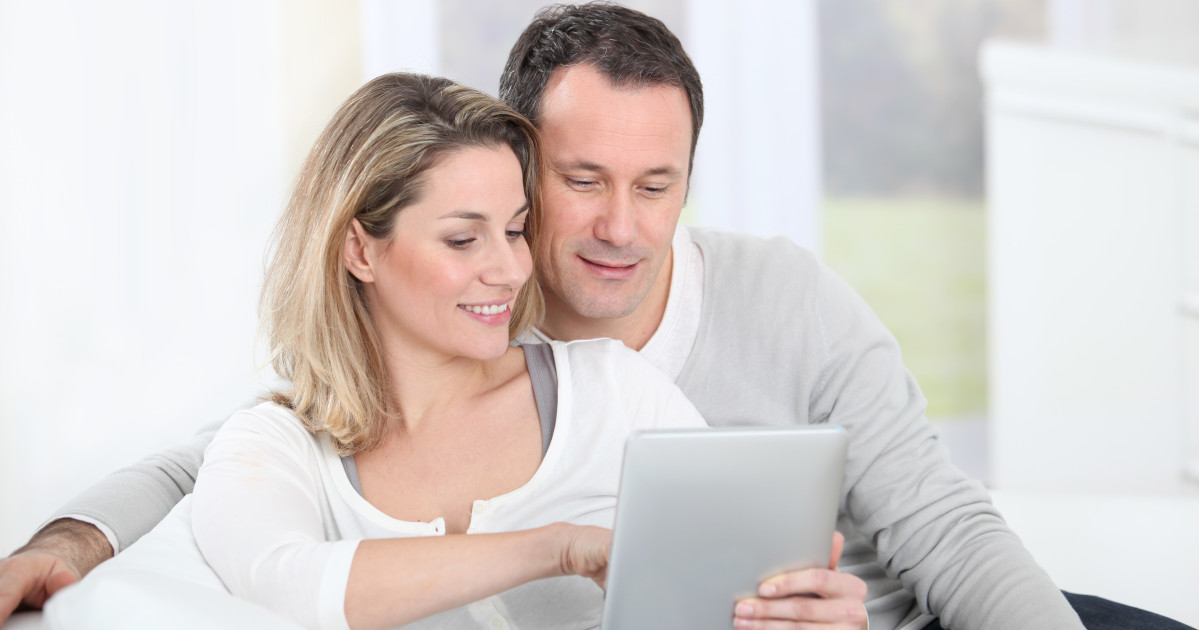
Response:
column 144, row 155
column 757, row 167
column 1157, row 31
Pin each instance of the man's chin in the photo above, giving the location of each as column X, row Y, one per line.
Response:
column 596, row 304
column 606, row 311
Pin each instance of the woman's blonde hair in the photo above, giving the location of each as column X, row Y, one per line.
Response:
column 368, row 164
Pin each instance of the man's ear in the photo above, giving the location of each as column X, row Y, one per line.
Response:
column 355, row 254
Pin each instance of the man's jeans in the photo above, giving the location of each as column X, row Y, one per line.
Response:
column 1100, row 614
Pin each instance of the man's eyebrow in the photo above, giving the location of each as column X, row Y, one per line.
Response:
column 664, row 170
column 583, row 165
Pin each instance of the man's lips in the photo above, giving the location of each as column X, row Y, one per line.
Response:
column 610, row 270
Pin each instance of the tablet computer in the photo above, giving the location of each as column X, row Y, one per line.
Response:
column 704, row 515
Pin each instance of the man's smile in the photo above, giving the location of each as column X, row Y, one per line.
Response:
column 610, row 270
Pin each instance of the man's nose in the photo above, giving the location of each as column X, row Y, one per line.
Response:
column 617, row 225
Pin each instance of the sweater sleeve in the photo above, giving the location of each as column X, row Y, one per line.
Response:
column 933, row 528
column 131, row 501
column 257, row 519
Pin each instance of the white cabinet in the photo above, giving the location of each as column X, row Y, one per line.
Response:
column 1093, row 208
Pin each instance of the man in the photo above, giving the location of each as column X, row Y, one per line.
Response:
column 753, row 331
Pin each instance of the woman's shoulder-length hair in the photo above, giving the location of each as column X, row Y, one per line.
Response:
column 368, row 164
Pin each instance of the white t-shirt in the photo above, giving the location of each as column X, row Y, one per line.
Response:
column 670, row 346
column 277, row 518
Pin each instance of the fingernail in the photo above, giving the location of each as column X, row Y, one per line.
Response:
column 767, row 590
column 744, row 610
column 740, row 622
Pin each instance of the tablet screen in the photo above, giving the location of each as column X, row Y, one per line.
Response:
column 704, row 515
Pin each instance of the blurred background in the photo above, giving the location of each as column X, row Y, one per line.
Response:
column 1013, row 185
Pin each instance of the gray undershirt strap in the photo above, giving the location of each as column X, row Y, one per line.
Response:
column 347, row 462
column 544, row 375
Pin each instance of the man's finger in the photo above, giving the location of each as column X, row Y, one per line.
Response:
column 16, row 581
column 835, row 553
column 59, row 581
column 814, row 582
column 802, row 610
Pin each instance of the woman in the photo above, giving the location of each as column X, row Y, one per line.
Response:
column 399, row 277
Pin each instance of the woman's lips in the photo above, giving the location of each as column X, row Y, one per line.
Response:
column 488, row 314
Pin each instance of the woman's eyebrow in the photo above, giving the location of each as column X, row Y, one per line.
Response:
column 469, row 215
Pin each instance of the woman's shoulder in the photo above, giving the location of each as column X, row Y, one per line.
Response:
column 595, row 363
column 599, row 351
column 266, row 422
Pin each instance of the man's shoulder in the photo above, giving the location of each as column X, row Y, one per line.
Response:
column 727, row 250
column 745, row 263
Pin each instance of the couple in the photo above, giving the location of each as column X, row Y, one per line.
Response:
column 422, row 263
column 401, row 273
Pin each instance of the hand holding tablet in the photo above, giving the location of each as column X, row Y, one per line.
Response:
column 706, row 516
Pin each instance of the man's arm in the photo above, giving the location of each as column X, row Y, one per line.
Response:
column 100, row 522
column 131, row 501
column 932, row 528
column 782, row 338
column 57, row 556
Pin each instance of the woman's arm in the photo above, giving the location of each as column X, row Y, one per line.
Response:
column 399, row 580
column 257, row 518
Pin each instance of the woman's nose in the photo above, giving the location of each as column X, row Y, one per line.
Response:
column 509, row 264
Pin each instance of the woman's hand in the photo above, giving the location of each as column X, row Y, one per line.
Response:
column 810, row 598
column 585, row 552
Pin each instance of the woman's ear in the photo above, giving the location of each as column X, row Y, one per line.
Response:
column 357, row 258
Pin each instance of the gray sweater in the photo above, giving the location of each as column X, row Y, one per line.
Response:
column 782, row 340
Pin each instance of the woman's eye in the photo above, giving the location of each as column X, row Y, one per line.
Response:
column 515, row 234
column 459, row 243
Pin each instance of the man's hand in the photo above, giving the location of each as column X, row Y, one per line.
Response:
column 805, row 599
column 57, row 556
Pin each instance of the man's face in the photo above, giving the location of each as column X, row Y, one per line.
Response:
column 615, row 183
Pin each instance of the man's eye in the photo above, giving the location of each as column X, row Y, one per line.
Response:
column 580, row 184
column 654, row 190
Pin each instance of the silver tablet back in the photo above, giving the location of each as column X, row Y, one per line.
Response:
column 704, row 515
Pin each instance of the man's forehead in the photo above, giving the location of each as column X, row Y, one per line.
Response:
column 583, row 110
column 584, row 91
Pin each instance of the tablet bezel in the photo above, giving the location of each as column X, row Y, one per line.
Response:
column 681, row 560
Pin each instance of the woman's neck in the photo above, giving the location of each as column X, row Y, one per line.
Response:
column 428, row 386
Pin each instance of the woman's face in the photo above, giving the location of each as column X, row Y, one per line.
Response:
column 446, row 281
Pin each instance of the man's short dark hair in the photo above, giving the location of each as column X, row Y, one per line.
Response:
column 629, row 47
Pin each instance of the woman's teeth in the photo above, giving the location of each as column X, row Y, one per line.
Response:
column 487, row 310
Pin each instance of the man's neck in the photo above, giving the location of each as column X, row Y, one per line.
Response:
column 634, row 330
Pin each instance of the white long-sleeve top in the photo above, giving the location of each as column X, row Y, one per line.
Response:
column 279, row 521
